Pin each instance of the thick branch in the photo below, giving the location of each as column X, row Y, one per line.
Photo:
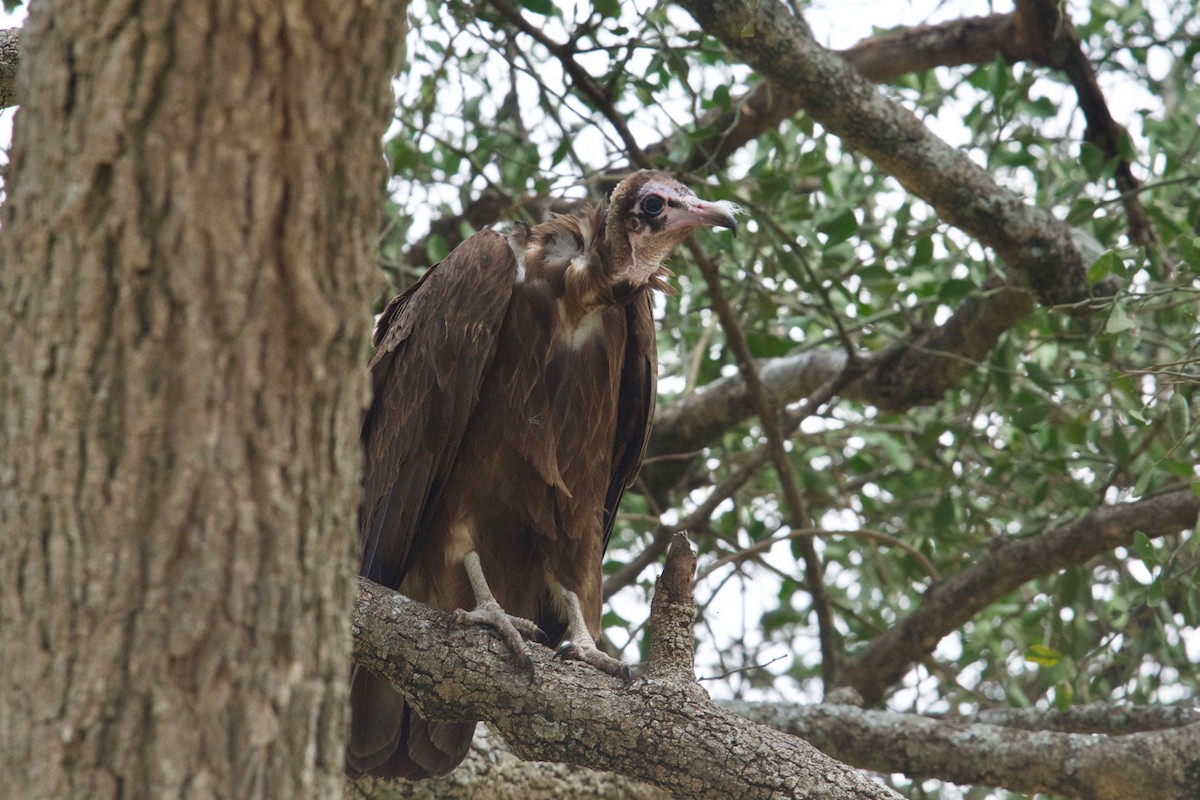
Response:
column 974, row 40
column 948, row 605
column 665, row 733
column 1110, row 718
column 695, row 421
column 1035, row 245
column 1161, row 764
column 893, row 743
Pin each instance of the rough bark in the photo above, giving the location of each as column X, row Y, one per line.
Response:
column 192, row 197
column 661, row 729
column 10, row 51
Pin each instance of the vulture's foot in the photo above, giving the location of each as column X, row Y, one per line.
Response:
column 580, row 646
column 487, row 611
column 587, row 652
column 514, row 630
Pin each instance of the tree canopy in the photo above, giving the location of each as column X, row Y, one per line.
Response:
column 948, row 486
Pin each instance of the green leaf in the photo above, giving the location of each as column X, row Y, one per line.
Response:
column 1143, row 482
column 1120, row 444
column 943, row 513
column 1145, row 549
column 1178, row 417
column 609, row 9
column 1093, row 161
column 1107, row 264
column 1043, row 655
column 898, row 454
column 1119, row 320
column 1039, row 375
column 839, row 228
column 1189, row 250
column 1064, row 695
column 999, row 77
column 543, row 7
column 1154, row 596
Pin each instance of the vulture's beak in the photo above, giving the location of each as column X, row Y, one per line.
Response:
column 699, row 213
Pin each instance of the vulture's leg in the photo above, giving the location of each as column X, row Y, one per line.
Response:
column 488, row 612
column 580, row 646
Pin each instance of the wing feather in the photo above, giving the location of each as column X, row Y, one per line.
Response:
column 635, row 405
column 434, row 345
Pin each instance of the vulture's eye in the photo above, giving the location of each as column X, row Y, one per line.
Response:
column 653, row 206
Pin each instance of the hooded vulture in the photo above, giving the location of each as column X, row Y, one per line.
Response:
column 514, row 390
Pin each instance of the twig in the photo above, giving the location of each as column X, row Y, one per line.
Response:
column 769, row 419
column 865, row 533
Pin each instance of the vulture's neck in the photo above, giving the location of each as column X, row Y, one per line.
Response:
column 586, row 260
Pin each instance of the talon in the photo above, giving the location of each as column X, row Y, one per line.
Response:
column 565, row 650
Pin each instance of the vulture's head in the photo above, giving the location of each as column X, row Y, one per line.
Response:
column 648, row 214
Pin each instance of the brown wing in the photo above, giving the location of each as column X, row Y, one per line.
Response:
column 635, row 405
column 433, row 347
column 434, row 344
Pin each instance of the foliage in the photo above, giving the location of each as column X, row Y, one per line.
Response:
column 1072, row 409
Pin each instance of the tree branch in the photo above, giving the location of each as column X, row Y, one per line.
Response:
column 1161, row 764
column 972, row 40
column 893, row 743
column 1114, row 719
column 949, row 604
column 1037, row 247
column 665, row 732
column 1047, row 32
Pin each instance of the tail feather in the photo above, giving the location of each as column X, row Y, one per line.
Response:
column 388, row 739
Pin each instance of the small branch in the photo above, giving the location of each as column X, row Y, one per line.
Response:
column 1048, row 33
column 948, row 605
column 673, row 616
column 768, row 416
column 865, row 533
column 583, row 81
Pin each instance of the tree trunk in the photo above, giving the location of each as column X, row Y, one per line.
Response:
column 193, row 194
